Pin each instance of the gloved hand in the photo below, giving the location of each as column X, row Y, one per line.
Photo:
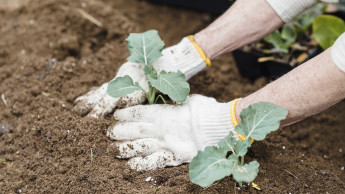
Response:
column 155, row 136
column 186, row 57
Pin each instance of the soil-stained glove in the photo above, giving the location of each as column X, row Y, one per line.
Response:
column 186, row 57
column 155, row 136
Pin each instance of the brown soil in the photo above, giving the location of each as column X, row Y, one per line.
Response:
column 45, row 147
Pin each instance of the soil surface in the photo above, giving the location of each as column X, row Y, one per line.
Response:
column 50, row 54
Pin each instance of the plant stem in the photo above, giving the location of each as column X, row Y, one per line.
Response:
column 151, row 95
column 161, row 97
column 146, row 94
column 152, row 91
column 242, row 163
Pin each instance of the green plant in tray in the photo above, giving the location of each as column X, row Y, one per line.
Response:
column 292, row 43
column 326, row 30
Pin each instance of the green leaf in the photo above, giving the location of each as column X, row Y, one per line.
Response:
column 211, row 165
column 278, row 43
column 239, row 148
column 144, row 47
column 274, row 38
column 246, row 173
column 173, row 84
column 326, row 30
column 122, row 86
column 150, row 71
column 289, row 33
column 306, row 19
column 260, row 119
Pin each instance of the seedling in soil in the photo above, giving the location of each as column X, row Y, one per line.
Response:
column 217, row 162
column 144, row 49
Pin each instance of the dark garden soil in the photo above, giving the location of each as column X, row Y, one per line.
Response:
column 50, row 54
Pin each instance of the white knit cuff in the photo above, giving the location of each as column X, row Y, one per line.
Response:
column 289, row 9
column 186, row 58
column 338, row 52
column 212, row 121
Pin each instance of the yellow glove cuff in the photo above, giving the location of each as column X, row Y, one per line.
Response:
column 200, row 51
column 234, row 119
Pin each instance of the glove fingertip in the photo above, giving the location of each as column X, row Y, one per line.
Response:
column 133, row 99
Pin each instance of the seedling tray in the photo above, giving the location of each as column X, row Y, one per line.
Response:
column 249, row 67
column 214, row 7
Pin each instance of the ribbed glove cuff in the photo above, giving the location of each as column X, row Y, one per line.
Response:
column 288, row 9
column 216, row 123
column 338, row 52
column 212, row 121
column 185, row 58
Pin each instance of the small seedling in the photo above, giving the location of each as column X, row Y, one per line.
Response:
column 295, row 39
column 144, row 49
column 217, row 162
column 286, row 40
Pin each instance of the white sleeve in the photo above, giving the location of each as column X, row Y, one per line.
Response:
column 289, row 9
column 338, row 52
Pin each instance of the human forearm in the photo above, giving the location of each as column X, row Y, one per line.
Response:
column 246, row 21
column 310, row 88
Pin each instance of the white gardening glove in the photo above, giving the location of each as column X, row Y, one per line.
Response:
column 289, row 9
column 155, row 136
column 186, row 57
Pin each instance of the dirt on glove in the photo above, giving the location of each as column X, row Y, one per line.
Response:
column 51, row 52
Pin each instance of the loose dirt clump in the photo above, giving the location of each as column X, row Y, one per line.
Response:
column 50, row 53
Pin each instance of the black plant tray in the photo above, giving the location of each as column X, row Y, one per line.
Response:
column 249, row 67
column 210, row 6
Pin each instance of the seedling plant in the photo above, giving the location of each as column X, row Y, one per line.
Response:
column 292, row 43
column 144, row 49
column 227, row 158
